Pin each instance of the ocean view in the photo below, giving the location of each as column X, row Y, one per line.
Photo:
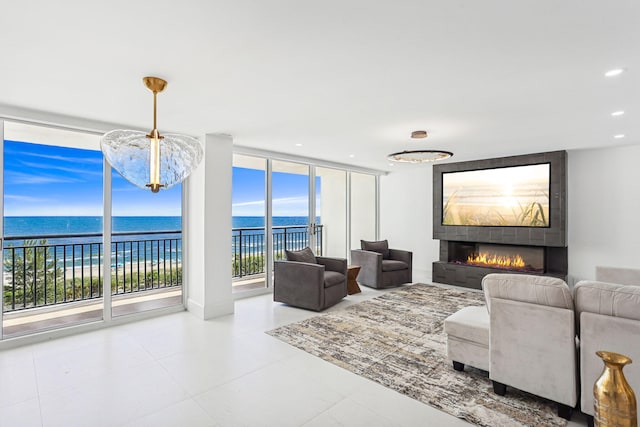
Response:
column 62, row 225
column 247, row 237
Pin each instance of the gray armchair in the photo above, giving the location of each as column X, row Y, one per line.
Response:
column 310, row 282
column 381, row 267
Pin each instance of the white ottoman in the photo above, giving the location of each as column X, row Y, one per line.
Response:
column 468, row 338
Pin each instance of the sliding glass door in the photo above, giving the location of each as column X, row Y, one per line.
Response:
column 363, row 208
column 248, row 237
column 146, row 247
column 294, row 225
column 331, row 209
column 52, row 229
column 69, row 256
column 283, row 205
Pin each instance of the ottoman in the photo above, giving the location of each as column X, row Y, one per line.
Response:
column 468, row 338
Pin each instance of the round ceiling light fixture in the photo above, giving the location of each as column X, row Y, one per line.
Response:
column 419, row 156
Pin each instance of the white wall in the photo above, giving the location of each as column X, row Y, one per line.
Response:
column 604, row 209
column 603, row 212
column 406, row 216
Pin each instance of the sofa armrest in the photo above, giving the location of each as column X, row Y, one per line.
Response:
column 522, row 335
column 333, row 264
column 401, row 255
column 370, row 266
column 299, row 283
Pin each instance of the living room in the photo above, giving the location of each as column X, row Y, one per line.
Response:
column 335, row 84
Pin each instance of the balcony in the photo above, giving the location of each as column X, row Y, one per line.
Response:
column 54, row 280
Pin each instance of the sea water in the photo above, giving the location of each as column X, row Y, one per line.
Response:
column 64, row 230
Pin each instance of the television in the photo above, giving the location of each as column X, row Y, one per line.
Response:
column 514, row 196
column 519, row 200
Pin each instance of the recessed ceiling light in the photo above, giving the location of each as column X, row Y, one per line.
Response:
column 352, row 155
column 617, row 113
column 614, row 72
column 298, row 145
column 619, row 136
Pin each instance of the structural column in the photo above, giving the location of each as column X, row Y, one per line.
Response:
column 208, row 229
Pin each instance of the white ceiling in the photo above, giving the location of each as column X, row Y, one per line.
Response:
column 485, row 78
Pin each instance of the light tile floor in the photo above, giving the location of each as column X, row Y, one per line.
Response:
column 179, row 371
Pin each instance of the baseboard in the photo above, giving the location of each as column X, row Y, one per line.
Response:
column 211, row 311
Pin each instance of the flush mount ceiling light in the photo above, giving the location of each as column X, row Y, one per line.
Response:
column 151, row 160
column 419, row 156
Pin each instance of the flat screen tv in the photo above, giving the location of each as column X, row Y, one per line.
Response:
column 516, row 200
column 516, row 196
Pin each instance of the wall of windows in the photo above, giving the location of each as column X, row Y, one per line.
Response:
column 58, row 196
column 289, row 204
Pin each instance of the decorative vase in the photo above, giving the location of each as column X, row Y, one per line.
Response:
column 614, row 400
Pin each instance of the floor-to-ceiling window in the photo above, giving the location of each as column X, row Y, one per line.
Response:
column 146, row 247
column 308, row 205
column 293, row 228
column 249, row 239
column 331, row 209
column 363, row 208
column 52, row 229
column 61, row 203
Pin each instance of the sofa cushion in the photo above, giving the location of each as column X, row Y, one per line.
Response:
column 382, row 247
column 304, row 255
column 542, row 290
column 469, row 324
column 393, row 265
column 332, row 278
column 610, row 299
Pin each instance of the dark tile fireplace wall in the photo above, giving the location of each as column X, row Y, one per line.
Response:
column 553, row 238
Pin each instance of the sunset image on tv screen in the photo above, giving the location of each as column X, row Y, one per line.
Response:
column 513, row 196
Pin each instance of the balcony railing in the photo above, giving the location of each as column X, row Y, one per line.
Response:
column 46, row 270
column 56, row 269
column 248, row 246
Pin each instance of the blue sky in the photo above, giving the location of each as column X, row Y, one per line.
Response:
column 46, row 180
column 290, row 193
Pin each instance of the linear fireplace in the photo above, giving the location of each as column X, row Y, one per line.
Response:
column 500, row 215
column 466, row 263
column 525, row 259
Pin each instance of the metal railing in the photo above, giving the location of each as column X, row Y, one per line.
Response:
column 248, row 246
column 46, row 270
column 56, row 269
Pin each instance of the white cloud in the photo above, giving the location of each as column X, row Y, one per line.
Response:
column 63, row 158
column 253, row 203
column 62, row 168
column 25, row 199
column 24, row 178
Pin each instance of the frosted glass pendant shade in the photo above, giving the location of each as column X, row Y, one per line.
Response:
column 151, row 161
column 128, row 152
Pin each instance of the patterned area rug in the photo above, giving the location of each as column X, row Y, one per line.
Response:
column 397, row 340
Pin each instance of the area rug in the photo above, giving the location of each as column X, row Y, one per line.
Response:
column 397, row 340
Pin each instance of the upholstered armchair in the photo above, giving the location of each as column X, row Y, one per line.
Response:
column 310, row 282
column 532, row 344
column 608, row 318
column 381, row 267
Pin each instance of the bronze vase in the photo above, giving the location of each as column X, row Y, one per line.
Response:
column 614, row 400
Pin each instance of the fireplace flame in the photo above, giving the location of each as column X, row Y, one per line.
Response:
column 493, row 260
